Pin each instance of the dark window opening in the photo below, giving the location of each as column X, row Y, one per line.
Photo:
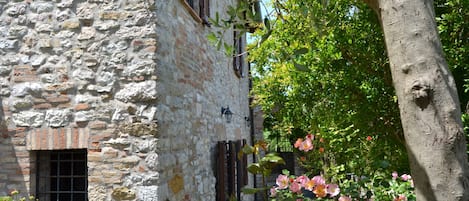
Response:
column 62, row 175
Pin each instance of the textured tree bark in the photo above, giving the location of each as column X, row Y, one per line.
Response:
column 428, row 100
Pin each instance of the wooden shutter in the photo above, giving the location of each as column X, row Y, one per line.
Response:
column 238, row 50
column 221, row 171
column 204, row 9
column 232, row 174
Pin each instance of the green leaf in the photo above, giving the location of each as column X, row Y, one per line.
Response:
column 300, row 67
column 228, row 48
column 265, row 36
column 301, row 51
column 247, row 190
column 231, row 10
column 212, row 37
column 215, row 21
column 248, row 149
column 273, row 158
column 255, row 168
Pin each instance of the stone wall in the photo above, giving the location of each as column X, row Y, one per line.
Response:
column 134, row 82
column 190, row 112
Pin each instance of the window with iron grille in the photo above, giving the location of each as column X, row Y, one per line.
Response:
column 62, row 175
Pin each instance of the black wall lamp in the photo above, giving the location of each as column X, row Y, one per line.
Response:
column 225, row 111
column 248, row 121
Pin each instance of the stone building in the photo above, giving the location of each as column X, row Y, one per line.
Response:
column 115, row 99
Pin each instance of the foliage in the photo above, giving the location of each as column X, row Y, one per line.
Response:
column 264, row 167
column 243, row 17
column 324, row 70
column 453, row 24
column 312, row 186
column 14, row 196
column 379, row 187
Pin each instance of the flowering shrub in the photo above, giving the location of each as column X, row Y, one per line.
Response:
column 311, row 152
column 380, row 188
column 317, row 156
column 314, row 158
column 302, row 188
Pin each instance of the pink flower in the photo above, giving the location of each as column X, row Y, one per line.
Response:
column 369, row 138
column 405, row 177
column 273, row 191
column 401, row 198
column 321, row 150
column 282, row 181
column 295, row 187
column 345, row 198
column 320, row 190
column 310, row 136
column 298, row 143
column 306, row 145
column 394, row 175
column 332, row 189
column 302, row 180
column 309, row 185
column 318, row 180
column 321, row 140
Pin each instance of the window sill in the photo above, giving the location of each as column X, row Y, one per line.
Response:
column 194, row 14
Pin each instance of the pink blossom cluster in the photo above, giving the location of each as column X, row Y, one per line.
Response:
column 317, row 185
column 404, row 177
column 305, row 144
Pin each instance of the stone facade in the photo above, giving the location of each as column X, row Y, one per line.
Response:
column 133, row 82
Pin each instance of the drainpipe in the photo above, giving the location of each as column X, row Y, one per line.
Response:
column 252, row 132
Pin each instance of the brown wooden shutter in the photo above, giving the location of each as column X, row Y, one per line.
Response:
column 221, row 171
column 232, row 174
column 204, row 9
column 238, row 57
column 245, row 164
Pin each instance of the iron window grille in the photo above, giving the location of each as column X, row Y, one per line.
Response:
column 62, row 175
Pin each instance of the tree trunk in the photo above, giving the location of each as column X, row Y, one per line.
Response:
column 428, row 100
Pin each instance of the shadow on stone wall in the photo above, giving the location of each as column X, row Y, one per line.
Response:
column 14, row 163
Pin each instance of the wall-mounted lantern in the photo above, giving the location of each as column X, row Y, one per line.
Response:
column 248, row 121
column 225, row 111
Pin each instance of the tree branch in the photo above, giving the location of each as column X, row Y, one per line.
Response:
column 373, row 5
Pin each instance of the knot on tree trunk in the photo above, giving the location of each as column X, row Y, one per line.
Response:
column 421, row 93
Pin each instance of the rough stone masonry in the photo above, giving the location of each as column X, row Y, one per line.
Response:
column 133, row 82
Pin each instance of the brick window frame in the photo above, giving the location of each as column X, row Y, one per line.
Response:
column 62, row 175
column 199, row 9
